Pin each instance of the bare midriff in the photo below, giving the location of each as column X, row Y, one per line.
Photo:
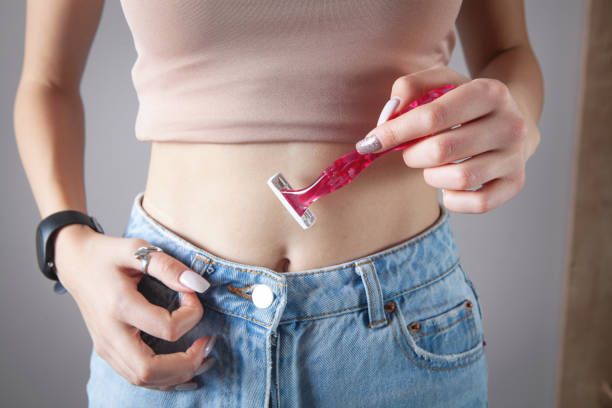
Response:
column 216, row 197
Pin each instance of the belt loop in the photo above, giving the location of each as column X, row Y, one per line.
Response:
column 376, row 309
column 201, row 264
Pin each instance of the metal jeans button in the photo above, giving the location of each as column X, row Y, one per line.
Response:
column 262, row 296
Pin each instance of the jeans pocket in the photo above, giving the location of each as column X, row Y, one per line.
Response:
column 443, row 339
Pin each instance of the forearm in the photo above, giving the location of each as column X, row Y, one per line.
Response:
column 49, row 131
column 518, row 68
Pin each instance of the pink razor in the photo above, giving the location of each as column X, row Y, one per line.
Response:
column 340, row 173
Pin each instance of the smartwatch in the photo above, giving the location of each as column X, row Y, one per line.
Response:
column 45, row 239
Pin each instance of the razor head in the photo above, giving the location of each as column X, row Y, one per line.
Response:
column 277, row 183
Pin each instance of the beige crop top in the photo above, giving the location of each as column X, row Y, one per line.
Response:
column 239, row 71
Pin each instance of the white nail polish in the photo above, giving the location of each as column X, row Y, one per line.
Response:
column 194, row 281
column 388, row 109
column 209, row 345
column 186, row 386
column 205, row 366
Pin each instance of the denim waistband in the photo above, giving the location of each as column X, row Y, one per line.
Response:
column 365, row 282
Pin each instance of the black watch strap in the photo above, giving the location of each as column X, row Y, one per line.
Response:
column 45, row 236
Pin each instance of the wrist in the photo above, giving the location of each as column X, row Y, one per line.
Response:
column 72, row 234
column 70, row 239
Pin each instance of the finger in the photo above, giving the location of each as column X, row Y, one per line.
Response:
column 117, row 364
column 109, row 350
column 134, row 309
column 177, row 386
column 460, row 105
column 172, row 272
column 412, row 86
column 178, row 382
column 158, row 369
column 164, row 388
column 190, row 385
column 446, row 147
column 474, row 171
column 490, row 196
column 186, row 386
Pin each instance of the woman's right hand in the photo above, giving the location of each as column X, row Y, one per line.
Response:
column 102, row 275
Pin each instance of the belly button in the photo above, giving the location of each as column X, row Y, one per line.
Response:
column 284, row 265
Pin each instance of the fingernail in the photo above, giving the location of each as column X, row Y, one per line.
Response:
column 205, row 366
column 388, row 109
column 186, row 386
column 194, row 281
column 368, row 145
column 209, row 346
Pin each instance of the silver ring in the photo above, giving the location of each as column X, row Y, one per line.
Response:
column 142, row 254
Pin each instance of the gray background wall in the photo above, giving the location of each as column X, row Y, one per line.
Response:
column 514, row 254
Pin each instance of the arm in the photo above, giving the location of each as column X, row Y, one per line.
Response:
column 48, row 110
column 496, row 45
column 98, row 270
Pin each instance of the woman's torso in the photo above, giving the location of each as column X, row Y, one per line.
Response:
column 215, row 78
column 216, row 196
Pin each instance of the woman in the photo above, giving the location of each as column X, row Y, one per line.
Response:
column 241, row 306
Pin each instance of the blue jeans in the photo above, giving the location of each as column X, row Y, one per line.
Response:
column 401, row 327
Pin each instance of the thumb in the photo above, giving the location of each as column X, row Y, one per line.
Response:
column 387, row 135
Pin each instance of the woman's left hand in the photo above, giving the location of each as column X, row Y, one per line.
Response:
column 493, row 136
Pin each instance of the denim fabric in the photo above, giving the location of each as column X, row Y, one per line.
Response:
column 401, row 327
